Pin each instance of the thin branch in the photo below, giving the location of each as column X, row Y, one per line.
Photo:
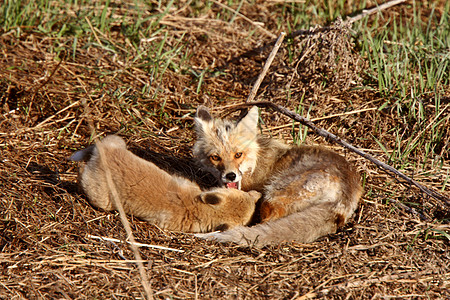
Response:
column 349, row 20
column 268, row 33
column 313, row 31
column 266, row 67
column 135, row 243
column 126, row 224
column 322, row 132
column 328, row 135
column 368, row 12
column 118, row 204
column 48, row 78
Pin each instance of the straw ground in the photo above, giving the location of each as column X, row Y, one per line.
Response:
column 140, row 69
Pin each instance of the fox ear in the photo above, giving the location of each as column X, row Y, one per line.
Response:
column 203, row 114
column 202, row 118
column 210, row 198
column 249, row 123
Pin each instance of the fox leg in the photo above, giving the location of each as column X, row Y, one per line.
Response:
column 303, row 227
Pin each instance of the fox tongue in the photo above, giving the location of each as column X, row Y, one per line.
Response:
column 232, row 185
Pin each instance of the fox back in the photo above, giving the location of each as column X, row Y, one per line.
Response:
column 154, row 195
column 308, row 191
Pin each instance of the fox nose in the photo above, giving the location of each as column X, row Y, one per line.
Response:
column 230, row 176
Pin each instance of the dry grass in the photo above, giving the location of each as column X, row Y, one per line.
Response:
column 48, row 102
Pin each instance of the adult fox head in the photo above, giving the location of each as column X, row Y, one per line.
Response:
column 228, row 148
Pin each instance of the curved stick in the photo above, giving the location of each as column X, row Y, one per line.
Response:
column 322, row 132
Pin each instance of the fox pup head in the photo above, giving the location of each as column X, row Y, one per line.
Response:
column 232, row 207
column 228, row 148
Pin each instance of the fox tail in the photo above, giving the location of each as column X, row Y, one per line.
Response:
column 83, row 154
column 111, row 141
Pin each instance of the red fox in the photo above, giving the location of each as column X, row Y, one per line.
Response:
column 308, row 191
column 149, row 193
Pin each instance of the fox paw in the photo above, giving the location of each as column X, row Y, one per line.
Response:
column 210, row 236
column 234, row 236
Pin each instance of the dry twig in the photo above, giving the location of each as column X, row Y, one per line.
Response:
column 378, row 8
column 266, row 32
column 338, row 140
column 266, row 67
column 102, row 238
column 123, row 217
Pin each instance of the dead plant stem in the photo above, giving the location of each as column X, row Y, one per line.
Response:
column 116, row 199
column 268, row 33
column 385, row 167
column 378, row 8
column 266, row 67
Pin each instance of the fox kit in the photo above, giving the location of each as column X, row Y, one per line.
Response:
column 147, row 192
column 308, row 192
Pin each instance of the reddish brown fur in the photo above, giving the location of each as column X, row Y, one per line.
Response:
column 309, row 191
column 154, row 195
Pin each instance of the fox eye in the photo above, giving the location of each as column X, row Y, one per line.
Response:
column 215, row 157
column 238, row 155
